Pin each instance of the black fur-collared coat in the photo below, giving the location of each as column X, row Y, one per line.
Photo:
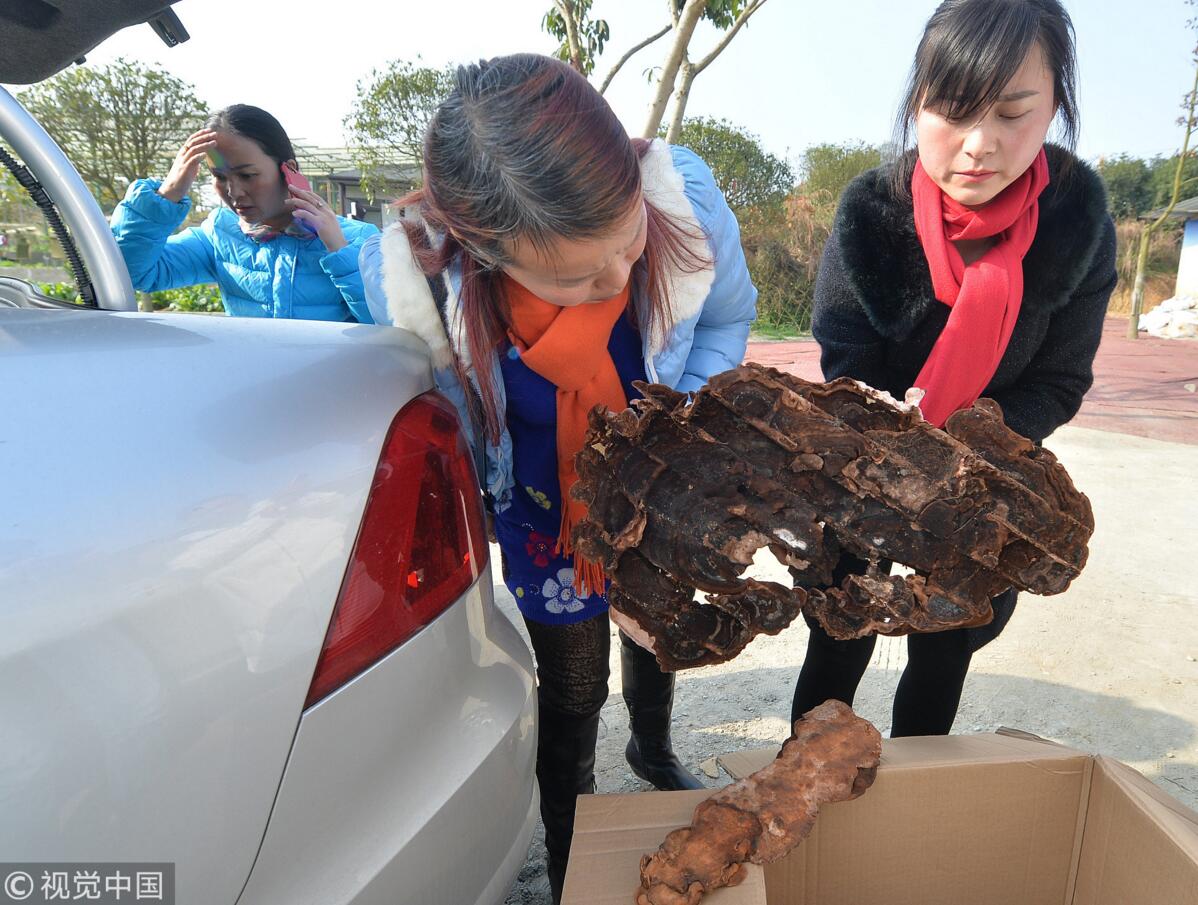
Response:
column 876, row 317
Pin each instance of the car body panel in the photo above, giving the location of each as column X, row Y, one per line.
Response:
column 179, row 499
column 381, row 785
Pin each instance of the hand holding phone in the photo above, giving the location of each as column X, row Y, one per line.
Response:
column 310, row 211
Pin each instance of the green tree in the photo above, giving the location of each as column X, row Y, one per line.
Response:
column 748, row 175
column 1128, row 185
column 826, row 169
column 12, row 196
column 19, row 217
column 117, row 122
column 10, row 192
column 582, row 38
column 390, row 115
column 1164, row 170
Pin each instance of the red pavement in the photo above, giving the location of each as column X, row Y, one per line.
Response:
column 1139, row 385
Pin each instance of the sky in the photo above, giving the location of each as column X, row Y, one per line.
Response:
column 802, row 72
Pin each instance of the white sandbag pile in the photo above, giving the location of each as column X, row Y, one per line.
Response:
column 1175, row 318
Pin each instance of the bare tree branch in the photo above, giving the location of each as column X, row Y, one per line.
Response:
column 631, row 53
column 729, row 35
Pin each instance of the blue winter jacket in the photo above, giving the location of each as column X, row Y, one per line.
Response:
column 712, row 308
column 286, row 277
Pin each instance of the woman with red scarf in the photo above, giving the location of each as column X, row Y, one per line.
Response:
column 977, row 264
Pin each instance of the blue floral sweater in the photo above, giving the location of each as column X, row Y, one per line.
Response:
column 543, row 584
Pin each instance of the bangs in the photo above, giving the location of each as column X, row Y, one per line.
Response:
column 961, row 71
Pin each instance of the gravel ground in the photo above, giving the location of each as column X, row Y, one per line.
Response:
column 1109, row 667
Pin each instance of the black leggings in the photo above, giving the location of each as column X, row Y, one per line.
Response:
column 572, row 665
column 928, row 693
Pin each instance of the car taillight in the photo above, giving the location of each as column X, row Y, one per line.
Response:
column 421, row 544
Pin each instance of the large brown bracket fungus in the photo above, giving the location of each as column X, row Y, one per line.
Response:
column 683, row 491
column 832, row 756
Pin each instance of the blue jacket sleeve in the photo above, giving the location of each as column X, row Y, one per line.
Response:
column 370, row 268
column 142, row 224
column 343, row 269
column 722, row 330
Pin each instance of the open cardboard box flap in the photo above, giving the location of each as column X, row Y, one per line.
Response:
column 1004, row 819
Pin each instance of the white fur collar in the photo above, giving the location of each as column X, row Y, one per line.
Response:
column 666, row 189
column 410, row 302
column 411, row 305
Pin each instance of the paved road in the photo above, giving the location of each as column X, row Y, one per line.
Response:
column 1140, row 386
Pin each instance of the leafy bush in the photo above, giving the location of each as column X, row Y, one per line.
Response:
column 1128, row 185
column 783, row 254
column 747, row 174
column 783, row 246
column 1160, row 274
column 202, row 298
column 826, row 169
column 783, row 295
column 64, row 291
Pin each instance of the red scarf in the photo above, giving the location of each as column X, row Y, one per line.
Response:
column 568, row 347
column 984, row 296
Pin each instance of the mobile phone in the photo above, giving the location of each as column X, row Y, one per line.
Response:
column 294, row 177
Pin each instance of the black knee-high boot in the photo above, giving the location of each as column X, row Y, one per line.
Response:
column 649, row 694
column 565, row 770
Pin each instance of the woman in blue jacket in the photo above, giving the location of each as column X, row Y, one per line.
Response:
column 275, row 250
column 549, row 261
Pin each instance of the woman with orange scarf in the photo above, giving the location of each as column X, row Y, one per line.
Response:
column 550, row 262
column 978, row 264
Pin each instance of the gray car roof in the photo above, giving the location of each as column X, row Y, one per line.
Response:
column 40, row 37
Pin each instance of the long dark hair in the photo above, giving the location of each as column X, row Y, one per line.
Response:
column 970, row 49
column 257, row 125
column 524, row 148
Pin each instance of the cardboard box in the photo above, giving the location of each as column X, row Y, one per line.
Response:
column 1003, row 819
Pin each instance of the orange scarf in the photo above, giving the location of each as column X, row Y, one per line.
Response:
column 568, row 347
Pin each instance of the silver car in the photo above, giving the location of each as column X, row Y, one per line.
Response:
column 246, row 614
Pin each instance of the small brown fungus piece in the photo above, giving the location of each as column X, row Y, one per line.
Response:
column 832, row 756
